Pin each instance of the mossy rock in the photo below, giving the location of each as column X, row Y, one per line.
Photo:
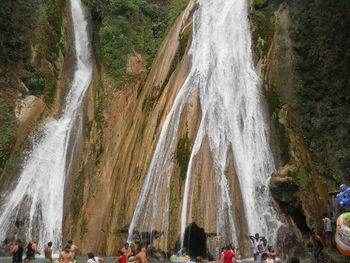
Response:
column 259, row 4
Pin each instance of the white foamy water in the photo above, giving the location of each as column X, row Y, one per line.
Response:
column 222, row 76
column 36, row 201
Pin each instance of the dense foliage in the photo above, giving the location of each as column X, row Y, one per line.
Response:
column 32, row 40
column 322, row 39
column 16, row 22
column 131, row 24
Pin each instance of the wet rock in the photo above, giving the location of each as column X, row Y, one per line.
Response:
column 288, row 245
column 283, row 188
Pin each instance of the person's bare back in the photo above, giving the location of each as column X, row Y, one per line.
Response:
column 48, row 252
column 141, row 257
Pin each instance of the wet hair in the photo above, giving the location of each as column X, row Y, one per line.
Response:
column 269, row 248
column 294, row 260
column 67, row 247
column 91, row 255
column 198, row 259
column 210, row 257
column 126, row 244
column 257, row 234
column 264, row 256
column 70, row 241
column 49, row 244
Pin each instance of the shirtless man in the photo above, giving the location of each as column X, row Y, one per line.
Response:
column 73, row 248
column 127, row 250
column 66, row 256
column 48, row 252
column 141, row 256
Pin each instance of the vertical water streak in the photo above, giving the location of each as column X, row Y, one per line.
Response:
column 36, row 201
column 222, row 76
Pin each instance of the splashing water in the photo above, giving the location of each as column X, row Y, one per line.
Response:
column 222, row 76
column 37, row 199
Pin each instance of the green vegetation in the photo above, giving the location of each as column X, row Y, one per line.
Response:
column 32, row 43
column 124, row 25
column 38, row 84
column 183, row 154
column 18, row 21
column 264, row 26
column 8, row 127
column 302, row 178
column 322, row 43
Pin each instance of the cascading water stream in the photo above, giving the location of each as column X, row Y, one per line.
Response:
column 222, row 76
column 36, row 201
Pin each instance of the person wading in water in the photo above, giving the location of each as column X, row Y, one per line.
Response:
column 17, row 252
column 48, row 252
column 66, row 256
column 93, row 259
column 256, row 242
column 141, row 256
column 228, row 255
column 73, row 248
column 32, row 249
column 127, row 250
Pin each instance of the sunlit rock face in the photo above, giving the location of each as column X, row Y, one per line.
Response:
column 181, row 144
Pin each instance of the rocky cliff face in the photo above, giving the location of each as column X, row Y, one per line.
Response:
column 122, row 125
column 297, row 187
column 121, row 129
column 36, row 63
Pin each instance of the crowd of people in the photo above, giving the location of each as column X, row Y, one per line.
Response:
column 28, row 252
column 262, row 253
column 68, row 254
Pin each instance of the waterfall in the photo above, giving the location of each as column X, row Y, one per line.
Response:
column 36, row 201
column 223, row 78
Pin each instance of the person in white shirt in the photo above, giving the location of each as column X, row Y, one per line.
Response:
column 256, row 242
column 93, row 259
column 327, row 224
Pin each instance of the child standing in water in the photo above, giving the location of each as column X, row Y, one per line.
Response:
column 228, row 255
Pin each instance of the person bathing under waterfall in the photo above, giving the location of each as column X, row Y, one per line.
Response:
column 32, row 249
column 17, row 251
column 48, row 252
column 257, row 240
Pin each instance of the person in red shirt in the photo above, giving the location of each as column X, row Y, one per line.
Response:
column 227, row 255
column 121, row 257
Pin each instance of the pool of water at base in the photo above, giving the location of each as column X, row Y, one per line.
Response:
column 108, row 259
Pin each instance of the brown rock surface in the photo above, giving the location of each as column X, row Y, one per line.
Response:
column 116, row 155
